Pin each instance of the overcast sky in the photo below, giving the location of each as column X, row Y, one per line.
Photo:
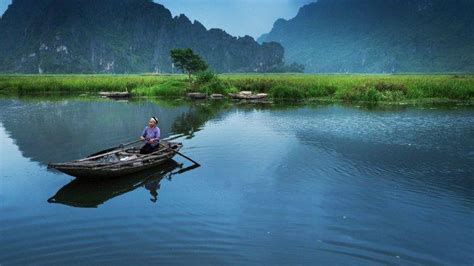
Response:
column 237, row 17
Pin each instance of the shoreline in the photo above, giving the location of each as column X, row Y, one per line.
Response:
column 305, row 102
column 306, row 88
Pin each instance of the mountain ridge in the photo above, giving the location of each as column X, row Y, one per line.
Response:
column 374, row 36
column 126, row 36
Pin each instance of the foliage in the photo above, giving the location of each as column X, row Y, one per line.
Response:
column 370, row 88
column 187, row 61
column 74, row 84
column 359, row 93
column 253, row 83
column 287, row 93
column 208, row 82
column 167, row 89
column 391, row 87
column 206, row 76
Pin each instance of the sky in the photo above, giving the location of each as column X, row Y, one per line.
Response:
column 237, row 17
column 3, row 5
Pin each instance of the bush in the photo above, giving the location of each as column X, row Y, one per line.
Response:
column 283, row 92
column 359, row 93
column 167, row 89
column 254, row 84
column 391, row 96
column 204, row 77
column 371, row 95
column 209, row 83
column 215, row 86
column 321, row 91
column 383, row 87
column 231, row 90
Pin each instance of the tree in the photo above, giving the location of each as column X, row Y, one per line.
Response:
column 187, row 61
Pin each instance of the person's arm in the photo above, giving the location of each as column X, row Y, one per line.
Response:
column 142, row 137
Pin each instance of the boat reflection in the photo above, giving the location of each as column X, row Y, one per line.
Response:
column 90, row 194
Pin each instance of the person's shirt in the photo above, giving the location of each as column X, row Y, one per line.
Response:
column 151, row 133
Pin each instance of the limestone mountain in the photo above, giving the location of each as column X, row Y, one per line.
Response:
column 379, row 36
column 118, row 36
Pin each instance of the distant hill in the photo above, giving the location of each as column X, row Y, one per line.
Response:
column 117, row 36
column 380, row 36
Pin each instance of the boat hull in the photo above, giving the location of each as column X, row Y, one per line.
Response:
column 107, row 173
column 113, row 170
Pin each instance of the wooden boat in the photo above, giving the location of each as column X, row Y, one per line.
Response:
column 217, row 96
column 247, row 96
column 197, row 96
column 117, row 162
column 114, row 94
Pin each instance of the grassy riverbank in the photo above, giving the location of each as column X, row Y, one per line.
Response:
column 369, row 88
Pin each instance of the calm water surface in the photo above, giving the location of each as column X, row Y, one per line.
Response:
column 325, row 184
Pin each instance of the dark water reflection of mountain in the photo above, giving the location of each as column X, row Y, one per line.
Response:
column 58, row 131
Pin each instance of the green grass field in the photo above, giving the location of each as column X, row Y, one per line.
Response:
column 350, row 88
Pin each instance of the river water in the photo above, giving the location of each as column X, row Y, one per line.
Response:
column 279, row 185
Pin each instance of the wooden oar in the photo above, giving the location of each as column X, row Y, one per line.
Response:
column 182, row 155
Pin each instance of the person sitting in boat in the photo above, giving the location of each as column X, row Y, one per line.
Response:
column 151, row 135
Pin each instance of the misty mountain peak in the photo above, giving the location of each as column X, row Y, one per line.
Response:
column 116, row 36
column 379, row 36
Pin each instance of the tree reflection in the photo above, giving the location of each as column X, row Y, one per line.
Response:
column 190, row 122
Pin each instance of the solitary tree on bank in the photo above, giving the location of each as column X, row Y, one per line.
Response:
column 187, row 61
